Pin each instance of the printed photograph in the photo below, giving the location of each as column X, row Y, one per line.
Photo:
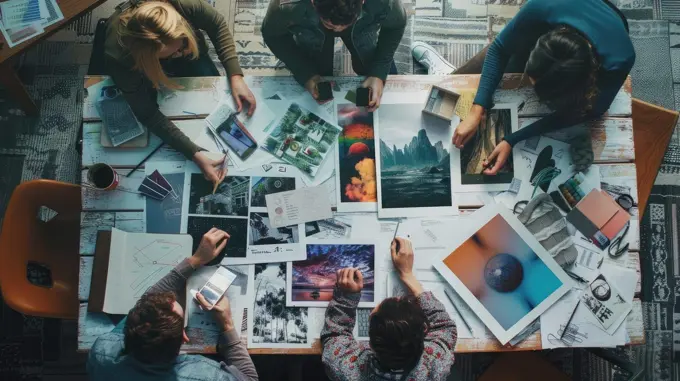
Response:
column 314, row 279
column 262, row 233
column 496, row 125
column 165, row 216
column 302, row 138
column 273, row 322
column 236, row 227
column 230, row 198
column 263, row 186
column 356, row 154
column 502, row 272
column 415, row 167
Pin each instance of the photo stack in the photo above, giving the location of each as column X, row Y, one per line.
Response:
column 237, row 206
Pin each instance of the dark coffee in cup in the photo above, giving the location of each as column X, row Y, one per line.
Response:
column 102, row 176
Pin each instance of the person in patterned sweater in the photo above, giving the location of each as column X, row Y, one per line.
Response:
column 411, row 337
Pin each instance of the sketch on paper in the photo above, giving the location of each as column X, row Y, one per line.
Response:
column 503, row 273
column 139, row 260
column 355, row 160
column 499, row 122
column 272, row 324
column 313, row 280
column 414, row 163
column 263, row 186
column 302, row 138
column 230, row 198
column 262, row 233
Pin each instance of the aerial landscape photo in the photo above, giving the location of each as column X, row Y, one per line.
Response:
column 415, row 162
column 314, row 278
column 302, row 138
column 496, row 125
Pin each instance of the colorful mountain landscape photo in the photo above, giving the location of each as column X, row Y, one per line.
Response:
column 415, row 164
column 356, row 153
column 314, row 279
column 302, row 138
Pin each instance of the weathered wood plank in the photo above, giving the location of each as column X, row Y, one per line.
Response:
column 124, row 197
column 91, row 326
column 90, row 223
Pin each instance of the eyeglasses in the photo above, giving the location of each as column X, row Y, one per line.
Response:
column 626, row 201
column 182, row 49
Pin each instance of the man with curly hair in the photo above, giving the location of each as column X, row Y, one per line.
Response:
column 146, row 344
column 301, row 33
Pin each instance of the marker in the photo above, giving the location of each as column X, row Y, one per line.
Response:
column 189, row 112
column 570, row 318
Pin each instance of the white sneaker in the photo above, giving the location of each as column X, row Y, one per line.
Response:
column 428, row 56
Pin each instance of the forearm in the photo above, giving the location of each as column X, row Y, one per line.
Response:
column 552, row 122
column 412, row 284
column 217, row 29
column 235, row 354
column 175, row 280
column 492, row 73
column 388, row 42
column 168, row 132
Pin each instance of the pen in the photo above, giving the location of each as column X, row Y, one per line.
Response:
column 566, row 326
column 189, row 112
column 144, row 160
column 225, row 163
column 394, row 239
column 575, row 277
column 446, row 291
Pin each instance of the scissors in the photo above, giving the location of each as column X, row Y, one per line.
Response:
column 616, row 245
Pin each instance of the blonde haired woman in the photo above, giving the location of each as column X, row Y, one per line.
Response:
column 150, row 41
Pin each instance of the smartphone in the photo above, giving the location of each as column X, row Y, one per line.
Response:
column 217, row 285
column 237, row 137
column 325, row 91
column 363, row 96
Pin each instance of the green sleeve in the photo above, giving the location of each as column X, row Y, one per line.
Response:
column 391, row 32
column 203, row 16
column 280, row 41
column 141, row 96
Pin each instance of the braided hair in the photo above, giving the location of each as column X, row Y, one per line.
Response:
column 397, row 333
column 564, row 67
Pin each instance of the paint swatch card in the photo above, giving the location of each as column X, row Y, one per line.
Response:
column 299, row 206
column 160, row 180
column 153, row 189
column 606, row 303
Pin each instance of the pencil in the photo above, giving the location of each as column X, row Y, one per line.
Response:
column 446, row 291
column 566, row 326
column 225, row 163
column 145, row 159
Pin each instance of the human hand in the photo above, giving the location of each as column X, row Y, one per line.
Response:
column 350, row 279
column 310, row 86
column 468, row 127
column 212, row 169
column 402, row 259
column 376, row 85
column 241, row 93
column 221, row 311
column 500, row 156
column 212, row 244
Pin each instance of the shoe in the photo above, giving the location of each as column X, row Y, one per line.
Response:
column 428, row 56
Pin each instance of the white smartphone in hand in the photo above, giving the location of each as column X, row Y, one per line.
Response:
column 217, row 285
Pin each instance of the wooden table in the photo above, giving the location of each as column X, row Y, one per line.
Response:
column 8, row 77
column 612, row 144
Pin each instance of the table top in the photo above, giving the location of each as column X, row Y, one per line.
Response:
column 612, row 138
column 70, row 9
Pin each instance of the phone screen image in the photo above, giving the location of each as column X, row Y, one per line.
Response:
column 217, row 285
column 237, row 137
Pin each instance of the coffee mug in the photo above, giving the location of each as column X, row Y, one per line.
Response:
column 103, row 176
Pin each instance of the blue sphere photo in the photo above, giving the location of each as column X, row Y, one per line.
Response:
column 503, row 272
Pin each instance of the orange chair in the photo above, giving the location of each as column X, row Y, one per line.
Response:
column 54, row 244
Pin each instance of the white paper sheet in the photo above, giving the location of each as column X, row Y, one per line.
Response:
column 467, row 181
column 239, row 299
column 338, row 227
column 584, row 330
column 282, row 327
column 136, row 262
column 16, row 36
column 299, row 206
column 53, row 12
column 19, row 13
column 238, row 207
